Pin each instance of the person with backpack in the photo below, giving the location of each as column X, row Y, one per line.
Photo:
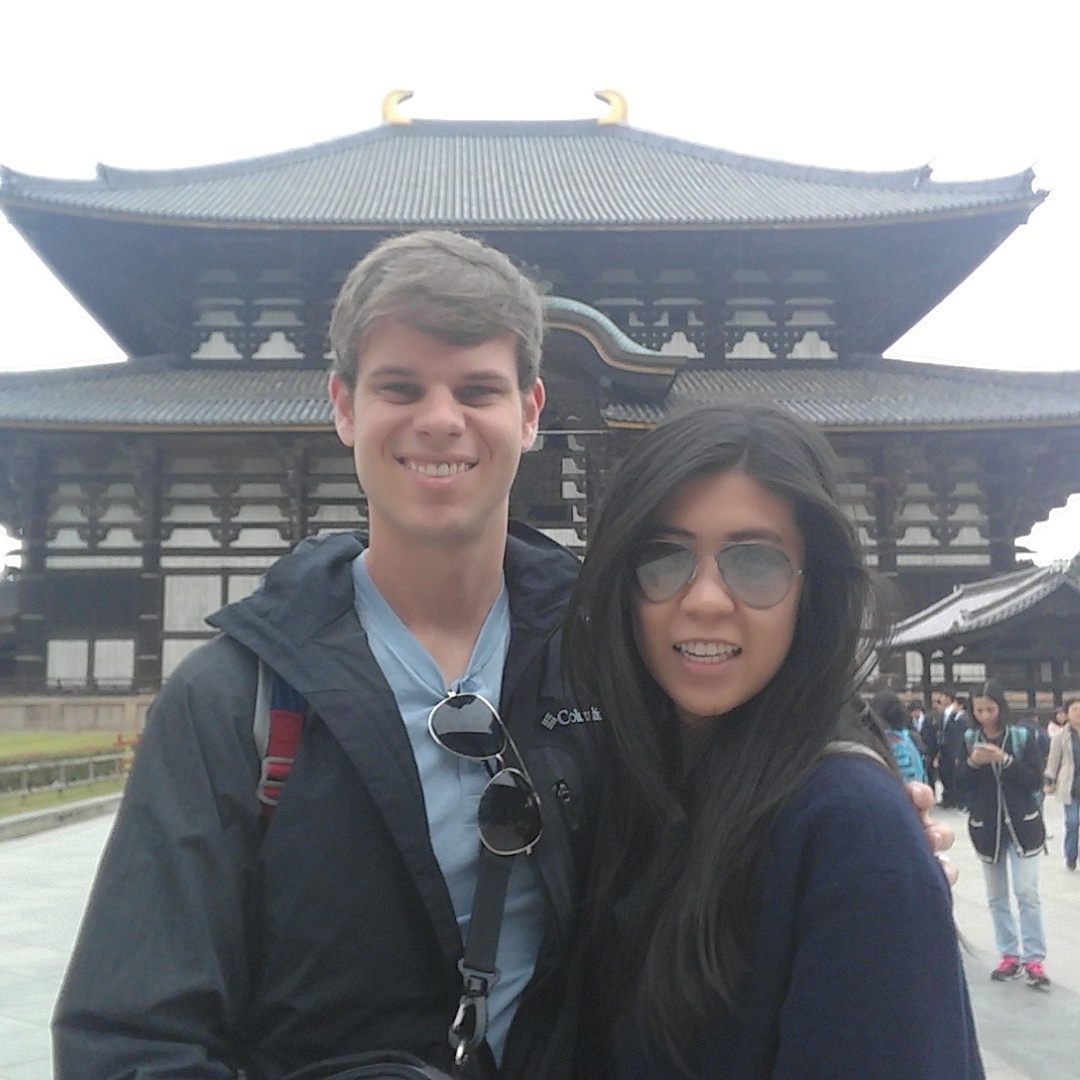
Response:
column 258, row 911
column 1001, row 779
column 219, row 938
column 889, row 709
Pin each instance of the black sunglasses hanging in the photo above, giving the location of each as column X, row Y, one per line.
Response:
column 509, row 823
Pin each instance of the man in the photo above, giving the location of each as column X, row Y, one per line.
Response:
column 208, row 947
column 951, row 726
column 926, row 731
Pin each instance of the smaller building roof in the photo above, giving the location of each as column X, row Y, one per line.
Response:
column 513, row 174
column 980, row 606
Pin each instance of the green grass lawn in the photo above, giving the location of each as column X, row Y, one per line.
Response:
column 30, row 745
column 42, row 800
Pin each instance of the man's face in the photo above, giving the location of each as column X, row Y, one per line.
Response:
column 437, row 432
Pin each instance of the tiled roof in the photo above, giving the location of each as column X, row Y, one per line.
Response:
column 573, row 174
column 149, row 396
column 877, row 394
column 872, row 393
column 983, row 604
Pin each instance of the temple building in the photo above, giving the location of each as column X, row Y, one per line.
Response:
column 147, row 493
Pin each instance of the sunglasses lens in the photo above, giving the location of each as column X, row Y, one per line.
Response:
column 466, row 725
column 663, row 569
column 759, row 575
column 509, row 814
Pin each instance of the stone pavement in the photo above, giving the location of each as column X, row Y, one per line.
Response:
column 1024, row 1034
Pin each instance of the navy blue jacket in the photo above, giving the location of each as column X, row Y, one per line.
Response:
column 857, row 973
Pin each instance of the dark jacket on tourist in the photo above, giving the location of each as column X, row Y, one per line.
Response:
column 1002, row 798
column 209, row 947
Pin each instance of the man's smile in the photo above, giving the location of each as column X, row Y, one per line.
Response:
column 437, row 468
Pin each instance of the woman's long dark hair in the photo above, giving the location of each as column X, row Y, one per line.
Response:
column 697, row 941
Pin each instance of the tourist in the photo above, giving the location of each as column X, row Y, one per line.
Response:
column 1000, row 779
column 952, row 723
column 889, row 709
column 1063, row 776
column 1059, row 722
column 222, row 936
column 926, row 728
column 209, row 946
column 762, row 902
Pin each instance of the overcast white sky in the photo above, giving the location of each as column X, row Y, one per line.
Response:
column 977, row 89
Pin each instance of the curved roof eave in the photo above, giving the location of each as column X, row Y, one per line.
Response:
column 973, row 610
column 517, row 175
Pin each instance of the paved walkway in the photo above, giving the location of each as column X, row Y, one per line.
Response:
column 44, row 879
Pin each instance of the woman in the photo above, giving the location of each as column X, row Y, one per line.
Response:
column 1001, row 779
column 763, row 902
column 1063, row 776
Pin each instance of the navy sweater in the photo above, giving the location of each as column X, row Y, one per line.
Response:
column 857, row 973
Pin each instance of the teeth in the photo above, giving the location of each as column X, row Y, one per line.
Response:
column 440, row 468
column 712, row 650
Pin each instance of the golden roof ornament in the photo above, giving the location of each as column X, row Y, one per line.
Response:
column 390, row 103
column 617, row 107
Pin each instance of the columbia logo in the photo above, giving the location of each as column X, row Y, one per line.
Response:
column 571, row 716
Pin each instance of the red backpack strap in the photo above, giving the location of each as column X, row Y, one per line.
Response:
column 277, row 726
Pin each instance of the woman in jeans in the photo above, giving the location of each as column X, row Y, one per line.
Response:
column 1001, row 780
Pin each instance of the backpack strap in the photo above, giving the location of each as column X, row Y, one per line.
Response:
column 850, row 746
column 276, row 725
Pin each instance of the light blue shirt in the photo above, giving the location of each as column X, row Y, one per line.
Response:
column 453, row 785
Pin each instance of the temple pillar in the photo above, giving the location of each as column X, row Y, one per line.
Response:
column 29, row 476
column 150, row 601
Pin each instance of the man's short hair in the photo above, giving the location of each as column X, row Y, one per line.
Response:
column 444, row 284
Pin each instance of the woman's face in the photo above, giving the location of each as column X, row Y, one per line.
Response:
column 986, row 712
column 708, row 650
column 1073, row 715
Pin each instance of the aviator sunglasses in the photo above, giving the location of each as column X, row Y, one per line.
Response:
column 757, row 575
column 509, row 812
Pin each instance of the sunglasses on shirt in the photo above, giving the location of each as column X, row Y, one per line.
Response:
column 508, row 816
column 756, row 574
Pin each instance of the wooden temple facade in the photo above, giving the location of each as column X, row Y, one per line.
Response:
column 148, row 493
